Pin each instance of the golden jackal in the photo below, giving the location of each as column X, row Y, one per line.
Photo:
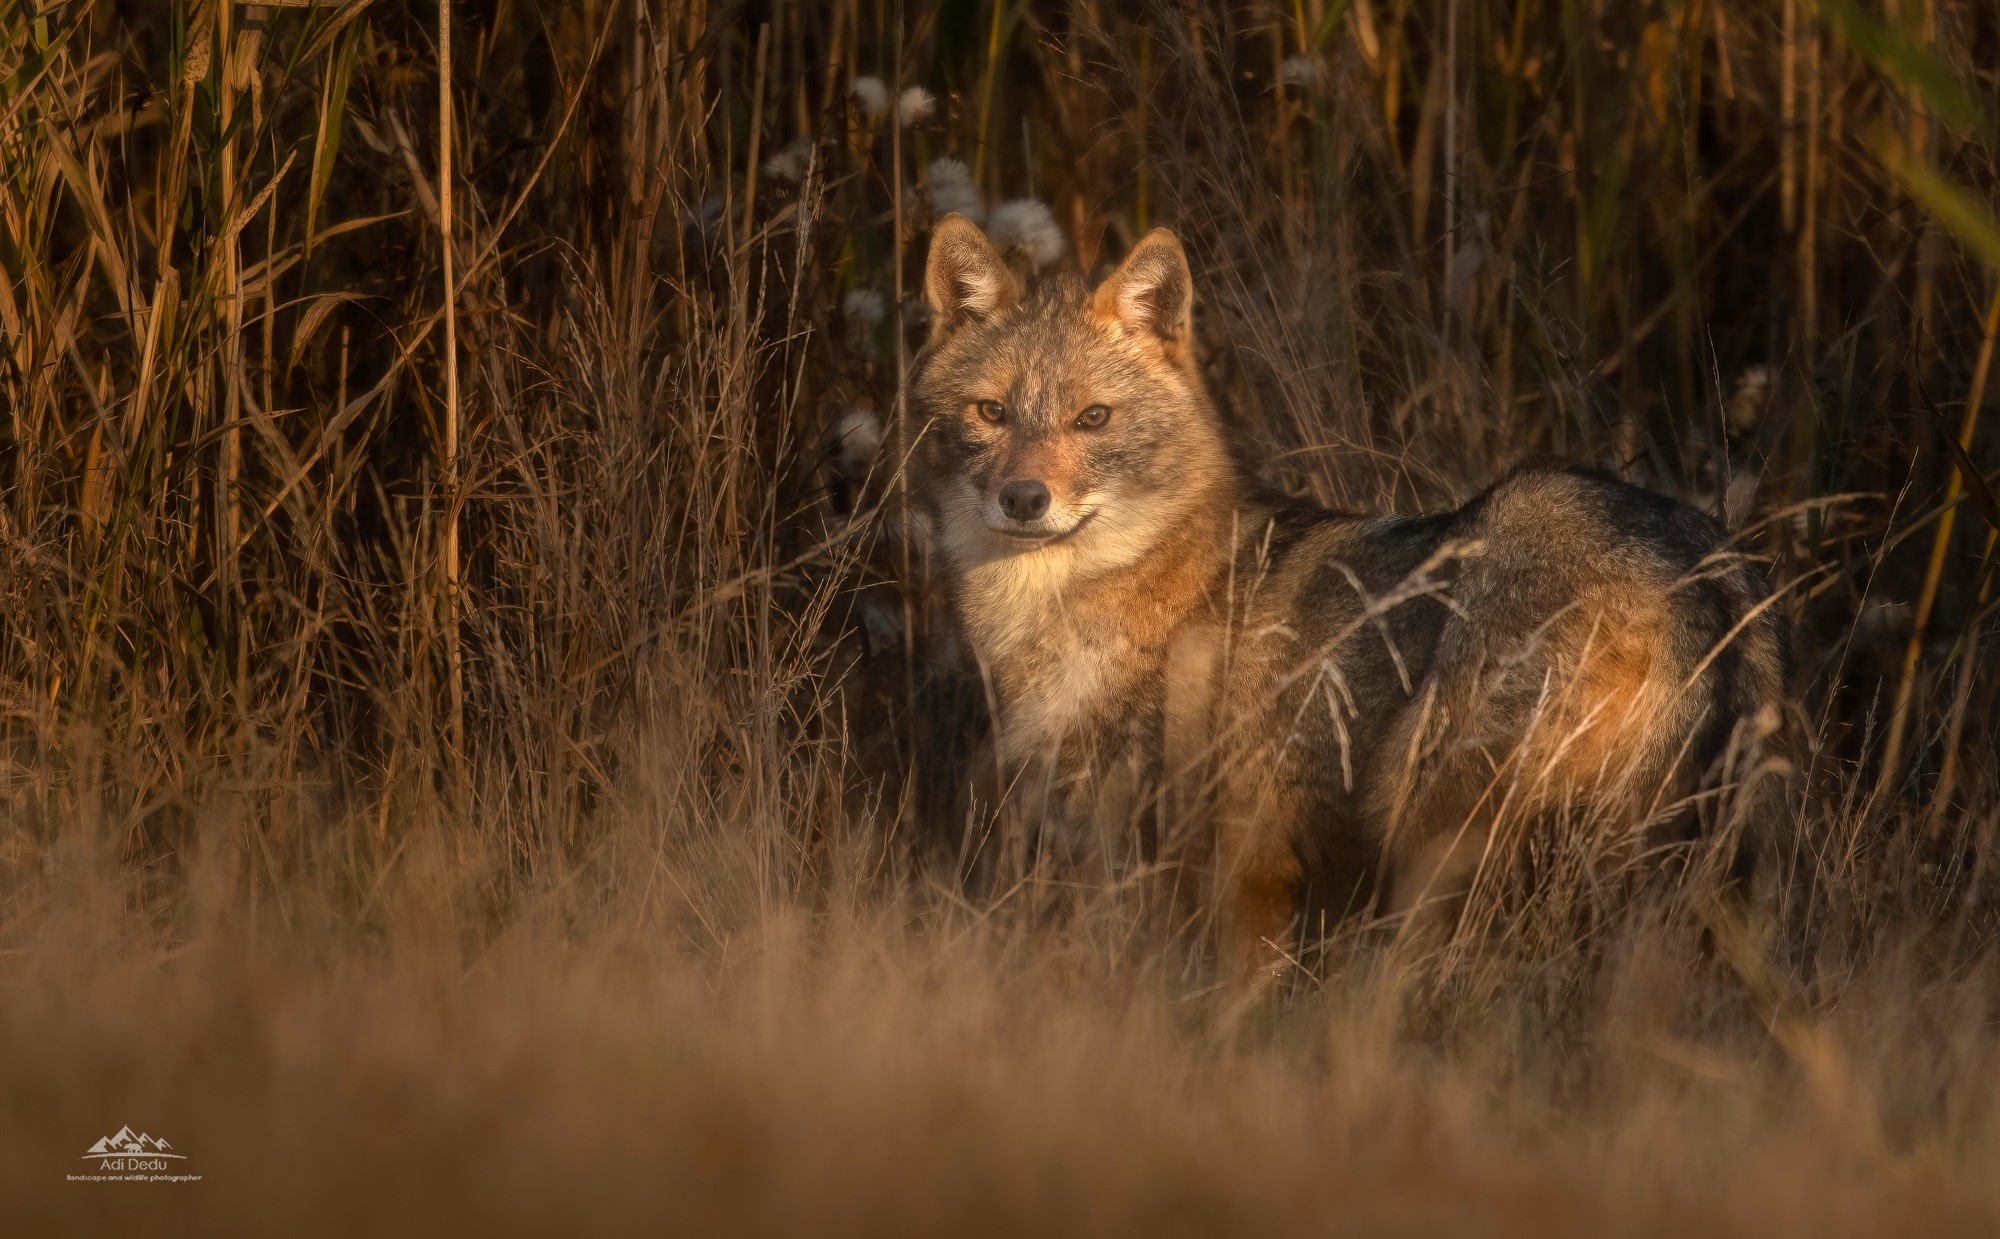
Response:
column 1358, row 702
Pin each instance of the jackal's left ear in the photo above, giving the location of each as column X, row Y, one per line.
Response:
column 1151, row 293
column 965, row 278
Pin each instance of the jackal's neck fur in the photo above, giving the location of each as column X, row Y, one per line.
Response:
column 1075, row 477
column 1070, row 636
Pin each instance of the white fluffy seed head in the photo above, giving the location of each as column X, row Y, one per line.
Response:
column 871, row 96
column 914, row 105
column 705, row 217
column 790, row 164
column 863, row 307
column 1027, row 227
column 1747, row 402
column 949, row 183
column 856, row 442
column 1301, row 72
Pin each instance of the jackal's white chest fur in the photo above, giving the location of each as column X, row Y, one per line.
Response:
column 1055, row 700
column 1057, row 675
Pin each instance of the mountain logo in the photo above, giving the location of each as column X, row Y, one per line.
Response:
column 128, row 1144
column 134, row 1155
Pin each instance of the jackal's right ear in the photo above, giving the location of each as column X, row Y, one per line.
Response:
column 966, row 279
column 1151, row 294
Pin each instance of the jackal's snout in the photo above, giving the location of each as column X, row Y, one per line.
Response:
column 1024, row 500
column 1032, row 489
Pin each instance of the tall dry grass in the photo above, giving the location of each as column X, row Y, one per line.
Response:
column 522, row 797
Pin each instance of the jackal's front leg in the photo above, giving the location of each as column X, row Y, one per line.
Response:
column 1257, row 930
column 1257, row 871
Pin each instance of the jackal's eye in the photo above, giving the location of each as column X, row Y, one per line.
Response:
column 1093, row 417
column 990, row 411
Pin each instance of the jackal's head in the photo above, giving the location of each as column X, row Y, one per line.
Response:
column 1071, row 423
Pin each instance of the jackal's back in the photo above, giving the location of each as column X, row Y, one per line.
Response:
column 1564, row 640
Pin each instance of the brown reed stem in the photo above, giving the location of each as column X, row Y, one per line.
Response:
column 1892, row 756
column 907, row 584
column 1788, row 118
column 1809, row 206
column 227, row 549
column 1968, row 665
column 986, row 95
column 1448, row 170
column 1141, row 219
column 453, row 654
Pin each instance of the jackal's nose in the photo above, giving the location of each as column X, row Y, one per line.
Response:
column 1024, row 501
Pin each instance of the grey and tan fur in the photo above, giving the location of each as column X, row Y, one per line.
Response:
column 1358, row 702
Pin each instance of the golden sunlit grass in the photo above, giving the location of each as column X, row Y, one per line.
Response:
column 476, row 753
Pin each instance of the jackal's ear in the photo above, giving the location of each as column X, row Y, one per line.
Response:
column 1151, row 293
column 966, row 279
